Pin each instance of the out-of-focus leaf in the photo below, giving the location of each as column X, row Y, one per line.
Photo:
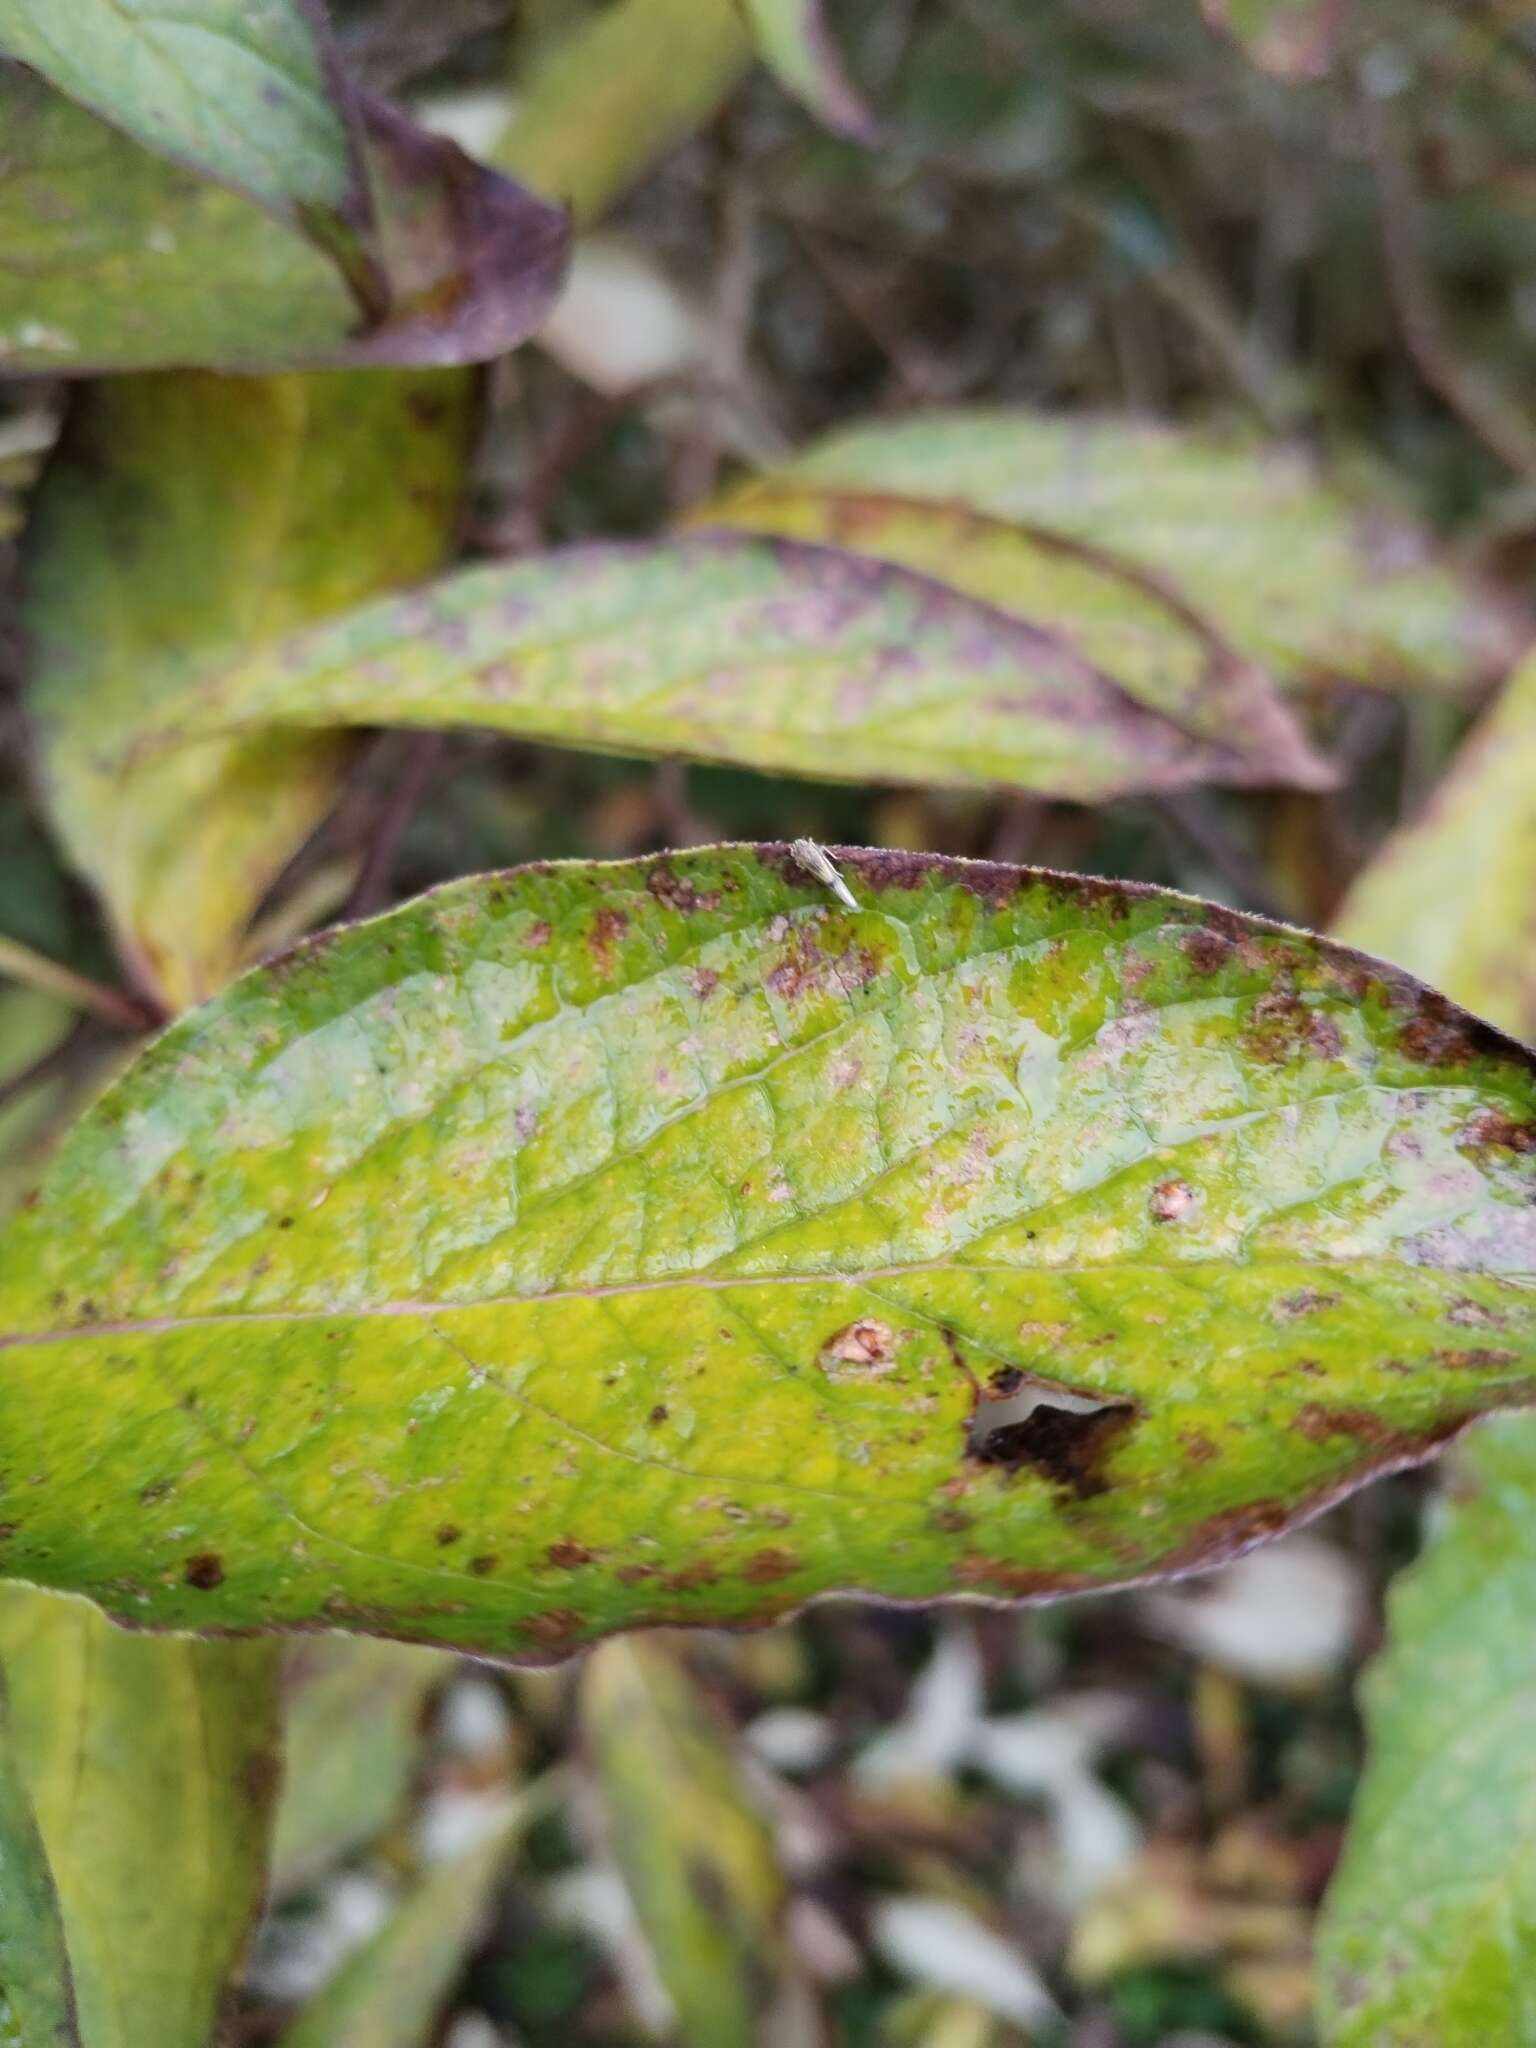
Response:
column 389, row 1993
column 795, row 43
column 1305, row 577
column 184, row 519
column 629, row 85
column 768, row 653
column 36, row 1997
column 351, row 1710
column 150, row 1765
column 696, row 1853
column 1292, row 39
column 1429, row 1930
column 113, row 257
column 243, row 93
column 1452, row 896
column 597, row 1246
column 32, row 1025
column 1118, row 618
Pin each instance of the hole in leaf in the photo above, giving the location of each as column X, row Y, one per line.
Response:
column 1064, row 1436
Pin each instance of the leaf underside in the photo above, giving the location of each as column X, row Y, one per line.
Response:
column 597, row 1246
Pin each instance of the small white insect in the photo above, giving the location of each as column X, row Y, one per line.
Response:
column 816, row 861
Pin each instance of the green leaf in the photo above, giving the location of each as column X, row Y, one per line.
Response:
column 243, row 93
column 389, row 1993
column 183, row 519
column 767, row 653
column 115, row 258
column 696, row 1853
column 794, row 41
column 149, row 1764
column 1450, row 895
column 1306, row 576
column 1291, row 39
column 600, row 1246
column 351, row 1720
column 1429, row 1929
column 631, row 84
column 36, row 2000
column 1123, row 621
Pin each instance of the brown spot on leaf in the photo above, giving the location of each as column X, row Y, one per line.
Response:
column 539, row 933
column 703, row 981
column 766, row 1565
column 8, row 1530
column 608, row 927
column 482, row 1567
column 554, row 1627
column 568, row 1554
column 1172, row 1201
column 205, row 1571
column 866, row 1345
column 659, row 1413
column 1308, row 1302
column 677, row 892
column 951, row 1521
column 1197, row 1446
column 157, row 1489
column 447, row 1534
column 1476, row 1361
column 1491, row 1127
column 700, row 1573
column 1206, row 951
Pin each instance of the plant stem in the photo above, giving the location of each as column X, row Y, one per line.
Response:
column 113, row 1007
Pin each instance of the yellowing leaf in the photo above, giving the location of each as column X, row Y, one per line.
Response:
column 149, row 1765
column 183, row 518
column 1124, row 621
column 604, row 1246
column 762, row 652
column 1305, row 576
column 696, row 1852
column 1453, row 894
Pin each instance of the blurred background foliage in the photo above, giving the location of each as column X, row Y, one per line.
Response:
column 1109, row 1823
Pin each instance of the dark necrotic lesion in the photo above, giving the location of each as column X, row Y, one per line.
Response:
column 1066, row 1437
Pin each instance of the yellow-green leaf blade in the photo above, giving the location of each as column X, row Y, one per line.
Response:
column 36, row 1996
column 387, row 1995
column 1451, row 894
column 240, row 92
column 767, row 653
column 183, row 518
column 602, row 1246
column 143, row 1754
column 1305, row 575
column 115, row 258
column 695, row 1850
column 796, row 44
column 1122, row 621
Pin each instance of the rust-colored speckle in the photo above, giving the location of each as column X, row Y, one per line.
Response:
column 447, row 1533
column 951, row 1521
column 1490, row 1127
column 1468, row 1314
column 1017, row 1581
column 608, row 927
column 1197, row 1446
column 700, row 1573
column 636, row 1574
column 658, row 1414
column 1282, row 1027
column 539, row 933
column 8, row 1530
column 1476, row 1361
column 483, row 1566
column 764, row 1566
column 1172, row 1201
column 1206, row 951
column 677, row 892
column 866, row 1345
column 205, row 1571
column 1308, row 1302
column 703, row 981
column 568, row 1554
column 554, row 1627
